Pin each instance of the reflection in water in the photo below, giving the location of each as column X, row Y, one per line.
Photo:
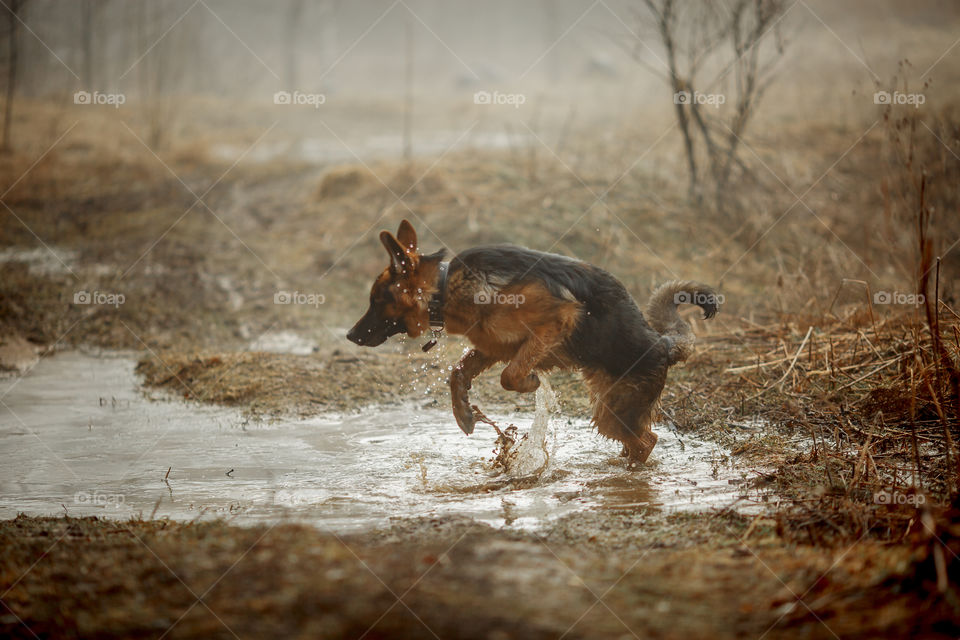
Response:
column 625, row 492
column 80, row 436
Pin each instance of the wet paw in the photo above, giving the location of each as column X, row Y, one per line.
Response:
column 640, row 448
column 526, row 384
column 461, row 404
column 465, row 418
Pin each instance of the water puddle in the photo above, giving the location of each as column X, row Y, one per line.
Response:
column 325, row 150
column 283, row 342
column 77, row 434
column 43, row 261
column 50, row 261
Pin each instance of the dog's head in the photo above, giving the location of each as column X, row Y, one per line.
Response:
column 400, row 295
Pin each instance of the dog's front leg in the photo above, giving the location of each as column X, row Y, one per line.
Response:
column 461, row 378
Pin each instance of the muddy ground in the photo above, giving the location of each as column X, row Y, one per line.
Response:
column 798, row 353
column 720, row 575
column 789, row 569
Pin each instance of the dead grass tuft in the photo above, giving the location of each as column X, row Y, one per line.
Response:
column 345, row 181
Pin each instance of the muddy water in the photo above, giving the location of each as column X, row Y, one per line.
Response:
column 77, row 434
column 332, row 149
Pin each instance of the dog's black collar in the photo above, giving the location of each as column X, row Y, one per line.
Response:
column 435, row 306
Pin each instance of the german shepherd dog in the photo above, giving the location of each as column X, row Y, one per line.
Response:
column 538, row 311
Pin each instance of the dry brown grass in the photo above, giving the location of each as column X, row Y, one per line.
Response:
column 799, row 344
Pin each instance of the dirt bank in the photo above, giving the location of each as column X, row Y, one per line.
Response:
column 68, row 577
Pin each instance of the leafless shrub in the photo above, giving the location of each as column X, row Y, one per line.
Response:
column 709, row 46
column 920, row 171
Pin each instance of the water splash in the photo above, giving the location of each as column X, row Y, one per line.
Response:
column 530, row 457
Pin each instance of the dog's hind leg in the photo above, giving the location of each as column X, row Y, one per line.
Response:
column 461, row 378
column 623, row 410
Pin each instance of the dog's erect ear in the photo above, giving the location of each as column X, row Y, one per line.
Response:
column 407, row 236
column 400, row 260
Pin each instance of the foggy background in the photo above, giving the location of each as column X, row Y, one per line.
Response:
column 579, row 64
column 250, row 147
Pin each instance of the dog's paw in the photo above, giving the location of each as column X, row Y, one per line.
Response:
column 464, row 416
column 639, row 448
column 461, row 403
column 527, row 384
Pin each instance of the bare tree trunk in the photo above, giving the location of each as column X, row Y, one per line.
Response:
column 665, row 19
column 551, row 33
column 291, row 42
column 86, row 43
column 329, row 13
column 408, row 99
column 90, row 13
column 688, row 146
column 158, row 72
column 13, row 19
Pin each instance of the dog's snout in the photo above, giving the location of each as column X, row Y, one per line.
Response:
column 366, row 333
column 359, row 334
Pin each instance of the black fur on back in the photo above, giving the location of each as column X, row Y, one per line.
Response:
column 612, row 333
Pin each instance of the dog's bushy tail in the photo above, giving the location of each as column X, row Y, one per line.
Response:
column 662, row 313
